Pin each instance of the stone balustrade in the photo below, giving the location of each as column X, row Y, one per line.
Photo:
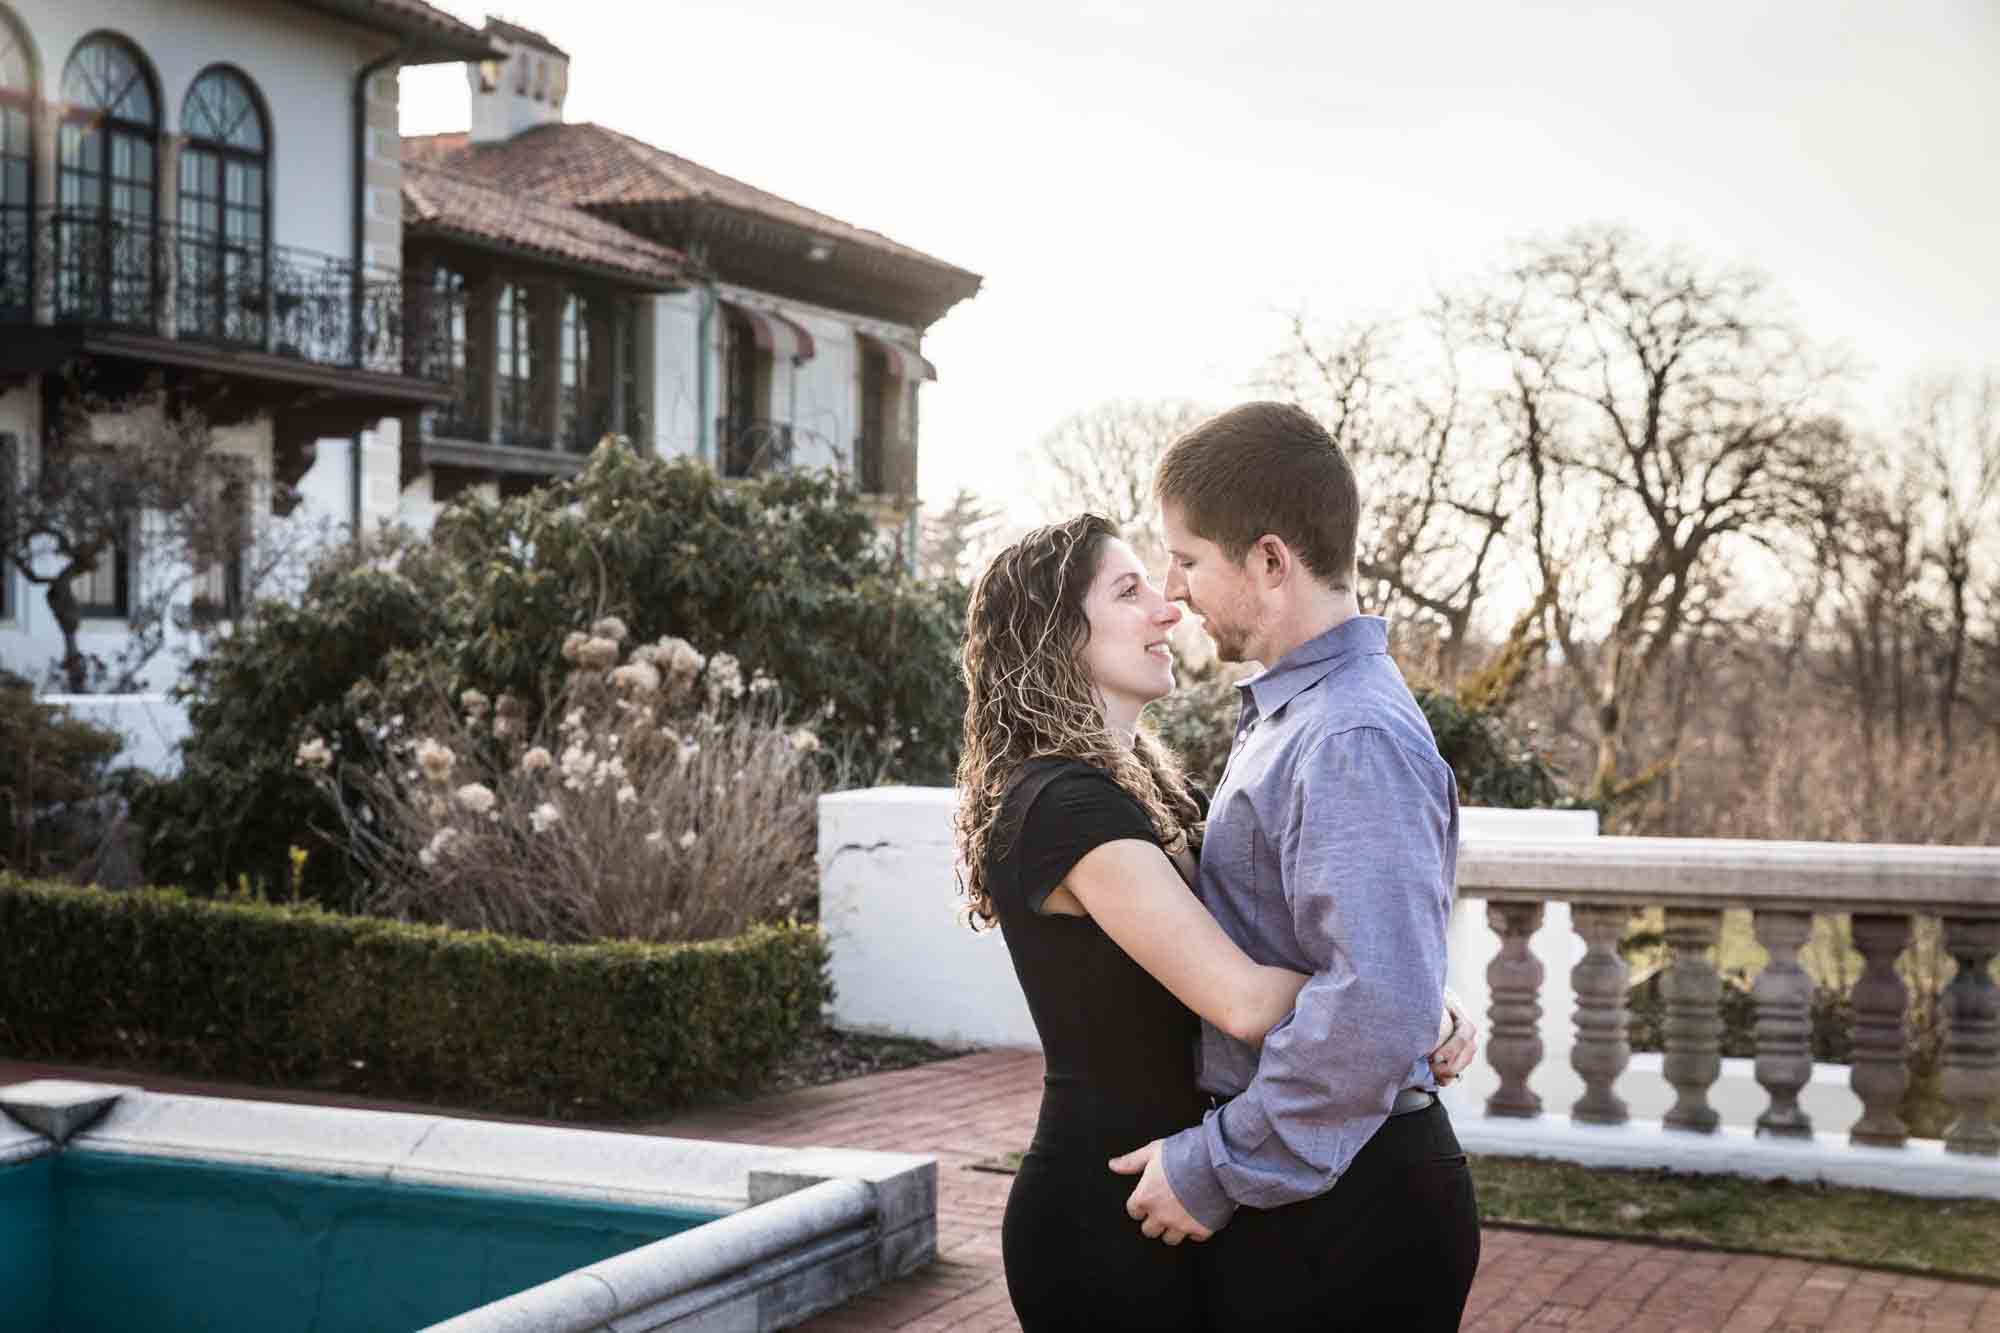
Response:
column 1883, row 889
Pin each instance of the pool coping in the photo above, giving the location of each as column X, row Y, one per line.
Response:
column 799, row 1229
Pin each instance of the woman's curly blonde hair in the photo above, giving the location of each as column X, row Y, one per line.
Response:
column 1028, row 696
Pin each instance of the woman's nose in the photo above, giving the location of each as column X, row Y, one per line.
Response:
column 1170, row 613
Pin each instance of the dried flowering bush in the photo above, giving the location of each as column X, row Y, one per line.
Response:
column 659, row 797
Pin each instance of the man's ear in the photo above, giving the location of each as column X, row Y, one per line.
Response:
column 1270, row 560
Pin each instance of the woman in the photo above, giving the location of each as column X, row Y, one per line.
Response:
column 1077, row 835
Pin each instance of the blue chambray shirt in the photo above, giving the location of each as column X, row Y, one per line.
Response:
column 1332, row 849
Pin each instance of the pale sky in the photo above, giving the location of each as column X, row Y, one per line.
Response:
column 1149, row 188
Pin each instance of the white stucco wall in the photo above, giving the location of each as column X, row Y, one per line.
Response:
column 303, row 65
column 904, row 962
column 820, row 398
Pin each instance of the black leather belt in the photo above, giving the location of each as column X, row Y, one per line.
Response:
column 1408, row 1101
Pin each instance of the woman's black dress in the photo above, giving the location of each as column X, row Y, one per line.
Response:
column 1120, row 1055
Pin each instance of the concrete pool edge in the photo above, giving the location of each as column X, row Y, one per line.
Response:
column 798, row 1231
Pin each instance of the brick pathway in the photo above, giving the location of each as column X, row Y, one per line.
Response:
column 971, row 1109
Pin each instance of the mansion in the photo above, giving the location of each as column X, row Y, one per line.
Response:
column 207, row 206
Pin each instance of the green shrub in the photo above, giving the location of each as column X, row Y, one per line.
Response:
column 291, row 994
column 787, row 574
column 53, row 767
column 1198, row 722
column 240, row 803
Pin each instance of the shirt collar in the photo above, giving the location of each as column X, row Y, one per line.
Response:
column 1313, row 660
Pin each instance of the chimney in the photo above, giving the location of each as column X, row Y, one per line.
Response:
column 520, row 91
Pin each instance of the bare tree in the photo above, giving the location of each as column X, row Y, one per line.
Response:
column 1663, row 412
column 1436, row 485
column 1952, row 432
column 1102, row 459
column 110, row 477
column 955, row 536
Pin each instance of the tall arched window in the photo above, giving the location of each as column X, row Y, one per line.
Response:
column 224, row 210
column 17, row 169
column 107, row 184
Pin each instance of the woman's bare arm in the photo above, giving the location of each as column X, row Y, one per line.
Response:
column 1140, row 899
column 1134, row 893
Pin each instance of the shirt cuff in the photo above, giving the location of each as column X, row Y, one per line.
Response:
column 1191, row 1173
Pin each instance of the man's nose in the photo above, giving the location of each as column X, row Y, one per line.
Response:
column 1176, row 589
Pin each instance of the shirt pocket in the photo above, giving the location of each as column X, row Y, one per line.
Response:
column 1271, row 911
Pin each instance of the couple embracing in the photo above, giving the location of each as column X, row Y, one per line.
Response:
column 1240, row 996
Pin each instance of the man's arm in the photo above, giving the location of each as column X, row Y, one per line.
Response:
column 1364, row 863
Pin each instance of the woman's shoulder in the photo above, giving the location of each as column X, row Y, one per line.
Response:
column 1063, row 788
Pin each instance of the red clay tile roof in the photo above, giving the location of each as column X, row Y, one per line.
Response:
column 441, row 36
column 591, row 166
column 440, row 202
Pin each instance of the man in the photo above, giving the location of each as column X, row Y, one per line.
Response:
column 1331, row 849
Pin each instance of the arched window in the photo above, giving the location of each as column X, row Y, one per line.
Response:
column 17, row 168
column 224, row 208
column 107, row 184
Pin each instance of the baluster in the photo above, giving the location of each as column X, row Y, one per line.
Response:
column 1972, row 1039
column 1601, row 1051
column 1881, row 1070
column 1783, row 995
column 1515, row 979
column 1693, row 992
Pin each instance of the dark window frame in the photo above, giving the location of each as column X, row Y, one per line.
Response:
column 517, row 407
column 121, row 554
column 575, row 364
column 10, row 473
column 237, row 274
column 233, row 567
column 95, row 274
column 452, row 289
column 20, row 113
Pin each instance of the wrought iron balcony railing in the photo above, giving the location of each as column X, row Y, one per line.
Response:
column 753, row 447
column 72, row 267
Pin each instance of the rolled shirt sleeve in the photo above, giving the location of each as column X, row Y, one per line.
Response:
column 1364, row 862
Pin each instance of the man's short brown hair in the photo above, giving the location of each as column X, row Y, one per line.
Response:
column 1266, row 467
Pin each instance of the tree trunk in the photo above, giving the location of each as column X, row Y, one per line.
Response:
column 69, row 619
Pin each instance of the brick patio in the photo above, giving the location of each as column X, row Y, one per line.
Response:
column 969, row 1110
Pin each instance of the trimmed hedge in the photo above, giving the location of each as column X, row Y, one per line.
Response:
column 295, row 994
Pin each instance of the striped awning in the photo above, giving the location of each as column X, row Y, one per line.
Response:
column 780, row 335
column 905, row 363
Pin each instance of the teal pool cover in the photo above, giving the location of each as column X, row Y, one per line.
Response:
column 107, row 1243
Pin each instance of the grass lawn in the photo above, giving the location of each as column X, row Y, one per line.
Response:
column 1945, row 1237
column 1953, row 1237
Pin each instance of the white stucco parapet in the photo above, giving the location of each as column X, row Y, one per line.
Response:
column 905, row 963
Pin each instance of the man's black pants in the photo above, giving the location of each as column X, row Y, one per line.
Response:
column 1393, row 1245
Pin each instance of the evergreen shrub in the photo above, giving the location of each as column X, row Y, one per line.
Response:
column 293, row 994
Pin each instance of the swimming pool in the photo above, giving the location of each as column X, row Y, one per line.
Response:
column 208, row 1213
